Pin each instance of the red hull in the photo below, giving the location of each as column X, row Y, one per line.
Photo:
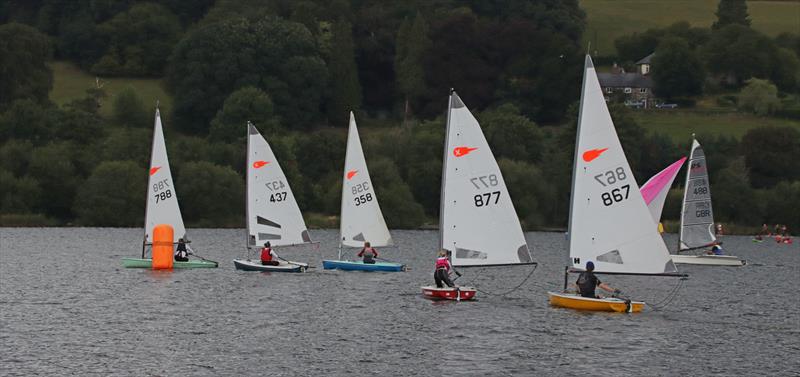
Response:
column 461, row 293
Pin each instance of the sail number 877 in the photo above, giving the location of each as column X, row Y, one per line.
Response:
column 482, row 200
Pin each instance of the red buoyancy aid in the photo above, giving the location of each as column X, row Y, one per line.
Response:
column 443, row 262
column 266, row 254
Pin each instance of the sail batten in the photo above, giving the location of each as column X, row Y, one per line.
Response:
column 604, row 188
column 478, row 223
column 697, row 215
column 361, row 216
column 272, row 211
column 162, row 199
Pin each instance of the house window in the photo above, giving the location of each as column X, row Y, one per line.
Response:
column 609, row 90
column 642, row 90
column 628, row 91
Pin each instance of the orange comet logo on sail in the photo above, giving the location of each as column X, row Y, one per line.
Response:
column 351, row 174
column 153, row 170
column 591, row 154
column 260, row 164
column 462, row 151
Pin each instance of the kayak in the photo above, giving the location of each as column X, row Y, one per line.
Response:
column 148, row 263
column 609, row 304
column 255, row 265
column 447, row 293
column 347, row 265
column 709, row 260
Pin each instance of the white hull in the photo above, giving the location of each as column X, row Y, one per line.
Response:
column 708, row 260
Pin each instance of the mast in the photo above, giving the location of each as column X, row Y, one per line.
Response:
column 586, row 65
column 147, row 188
column 685, row 190
column 344, row 170
column 247, row 190
column 444, row 170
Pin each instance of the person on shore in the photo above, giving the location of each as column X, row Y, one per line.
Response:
column 587, row 283
column 181, row 254
column 368, row 253
column 268, row 256
column 442, row 272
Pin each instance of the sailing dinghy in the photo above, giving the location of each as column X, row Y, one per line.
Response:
column 697, row 216
column 361, row 219
column 609, row 223
column 162, row 205
column 272, row 211
column 478, row 225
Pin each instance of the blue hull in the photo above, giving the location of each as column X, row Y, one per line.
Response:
column 361, row 266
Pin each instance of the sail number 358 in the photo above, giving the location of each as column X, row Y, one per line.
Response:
column 361, row 193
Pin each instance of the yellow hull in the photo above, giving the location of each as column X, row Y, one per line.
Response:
column 572, row 301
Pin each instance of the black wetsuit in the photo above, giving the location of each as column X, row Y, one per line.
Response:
column 587, row 283
column 181, row 255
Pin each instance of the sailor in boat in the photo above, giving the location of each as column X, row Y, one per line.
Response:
column 181, row 254
column 368, row 253
column 268, row 256
column 716, row 250
column 588, row 281
column 442, row 272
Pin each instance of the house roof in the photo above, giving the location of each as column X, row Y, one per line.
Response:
column 646, row 59
column 624, row 80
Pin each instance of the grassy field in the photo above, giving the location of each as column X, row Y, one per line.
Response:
column 69, row 83
column 609, row 19
column 680, row 124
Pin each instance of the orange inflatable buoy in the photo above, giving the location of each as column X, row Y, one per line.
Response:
column 162, row 247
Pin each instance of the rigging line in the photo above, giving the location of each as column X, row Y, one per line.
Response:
column 669, row 297
column 512, row 289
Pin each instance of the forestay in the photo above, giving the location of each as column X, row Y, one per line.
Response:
column 362, row 219
column 162, row 199
column 609, row 221
column 655, row 190
column 697, row 217
column 272, row 211
column 478, row 223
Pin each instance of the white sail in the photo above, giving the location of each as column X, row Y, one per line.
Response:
column 609, row 223
column 272, row 211
column 162, row 199
column 655, row 190
column 478, row 224
column 362, row 219
column 697, row 216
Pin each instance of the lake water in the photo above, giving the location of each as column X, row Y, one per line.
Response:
column 68, row 307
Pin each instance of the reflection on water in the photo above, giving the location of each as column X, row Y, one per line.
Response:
column 68, row 307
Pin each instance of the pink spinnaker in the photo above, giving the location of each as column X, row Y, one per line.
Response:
column 655, row 190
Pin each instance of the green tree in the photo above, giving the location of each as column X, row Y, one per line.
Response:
column 504, row 127
column 211, row 195
column 344, row 86
column 247, row 104
column 54, row 167
column 277, row 56
column 123, row 144
column 734, row 199
column 128, row 110
column 113, row 195
column 397, row 202
column 140, row 41
column 411, row 46
column 18, row 195
column 24, row 52
column 15, row 155
column 782, row 203
column 677, row 71
column 531, row 193
column 760, row 97
column 731, row 12
column 737, row 53
column 771, row 153
column 27, row 120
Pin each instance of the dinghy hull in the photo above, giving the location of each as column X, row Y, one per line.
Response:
column 148, row 263
column 361, row 266
column 709, row 260
column 455, row 294
column 250, row 265
column 573, row 301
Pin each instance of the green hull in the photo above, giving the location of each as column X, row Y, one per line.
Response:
column 148, row 263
